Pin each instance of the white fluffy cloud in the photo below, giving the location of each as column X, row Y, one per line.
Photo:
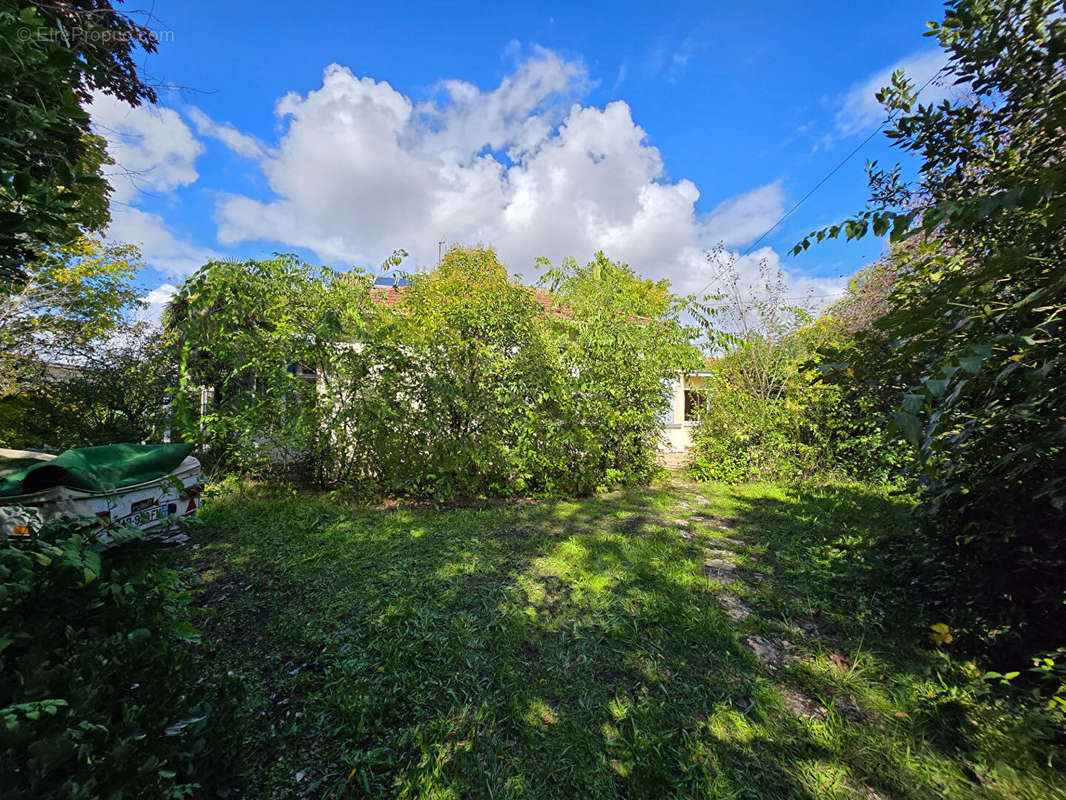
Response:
column 166, row 252
column 153, row 148
column 746, row 216
column 155, row 153
column 859, row 110
column 155, row 302
column 361, row 169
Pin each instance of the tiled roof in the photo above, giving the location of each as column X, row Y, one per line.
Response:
column 388, row 296
column 544, row 299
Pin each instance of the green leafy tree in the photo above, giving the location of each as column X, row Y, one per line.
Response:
column 257, row 335
column 119, row 392
column 54, row 55
column 857, row 359
column 463, row 383
column 69, row 300
column 977, row 310
column 761, row 407
column 622, row 342
column 781, row 399
column 454, row 392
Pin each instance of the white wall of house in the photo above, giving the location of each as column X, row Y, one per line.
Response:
column 678, row 425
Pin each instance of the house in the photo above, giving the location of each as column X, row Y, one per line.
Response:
column 678, row 421
column 675, row 438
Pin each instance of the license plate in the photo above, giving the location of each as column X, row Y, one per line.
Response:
column 147, row 515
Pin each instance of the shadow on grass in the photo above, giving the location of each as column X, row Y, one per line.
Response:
column 560, row 649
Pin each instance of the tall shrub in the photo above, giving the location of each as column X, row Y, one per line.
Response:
column 116, row 391
column 463, row 383
column 256, row 336
column 780, row 401
column 452, row 393
column 978, row 307
column 622, row 341
column 760, row 409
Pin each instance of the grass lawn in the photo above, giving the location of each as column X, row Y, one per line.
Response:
column 583, row 649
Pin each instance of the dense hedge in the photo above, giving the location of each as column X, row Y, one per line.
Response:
column 464, row 383
column 969, row 328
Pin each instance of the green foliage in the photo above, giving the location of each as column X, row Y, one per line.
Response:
column 821, row 423
column 259, row 333
column 777, row 404
column 76, row 368
column 461, row 384
column 864, row 444
column 976, row 317
column 53, row 56
column 450, row 395
column 621, row 341
column 117, row 393
column 98, row 694
column 69, row 300
column 1051, row 668
column 743, row 437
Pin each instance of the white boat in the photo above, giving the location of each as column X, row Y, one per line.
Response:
column 152, row 506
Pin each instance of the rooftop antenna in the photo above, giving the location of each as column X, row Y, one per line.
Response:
column 440, row 251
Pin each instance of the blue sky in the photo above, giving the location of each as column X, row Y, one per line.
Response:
column 647, row 130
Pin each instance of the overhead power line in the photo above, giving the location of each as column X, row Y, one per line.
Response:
column 816, row 187
column 822, row 182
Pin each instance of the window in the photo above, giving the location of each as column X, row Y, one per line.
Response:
column 693, row 404
column 300, row 371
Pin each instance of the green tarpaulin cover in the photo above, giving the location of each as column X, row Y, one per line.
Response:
column 94, row 469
